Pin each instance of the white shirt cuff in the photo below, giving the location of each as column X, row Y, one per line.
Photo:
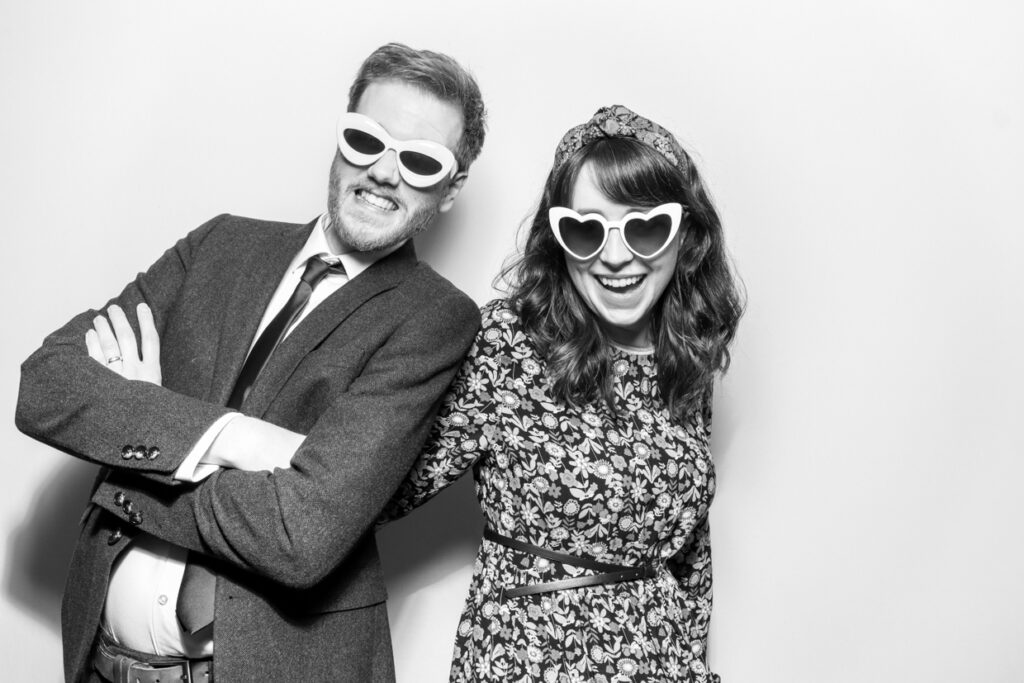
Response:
column 191, row 469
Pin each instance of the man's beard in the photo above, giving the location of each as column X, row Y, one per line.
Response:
column 377, row 240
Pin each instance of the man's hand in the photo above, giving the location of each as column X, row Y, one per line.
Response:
column 245, row 443
column 253, row 445
column 117, row 350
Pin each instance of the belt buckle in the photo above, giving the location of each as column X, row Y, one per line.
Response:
column 142, row 666
column 185, row 664
column 207, row 676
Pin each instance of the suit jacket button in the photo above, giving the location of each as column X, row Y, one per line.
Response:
column 128, row 507
column 140, row 452
column 153, row 453
column 115, row 536
column 127, row 452
column 119, row 498
column 135, row 518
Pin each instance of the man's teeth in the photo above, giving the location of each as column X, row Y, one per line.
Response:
column 382, row 203
column 620, row 282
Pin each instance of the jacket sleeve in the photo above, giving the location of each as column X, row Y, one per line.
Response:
column 69, row 401
column 295, row 525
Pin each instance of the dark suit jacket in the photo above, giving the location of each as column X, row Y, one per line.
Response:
column 362, row 376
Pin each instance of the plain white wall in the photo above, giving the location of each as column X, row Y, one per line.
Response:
column 867, row 161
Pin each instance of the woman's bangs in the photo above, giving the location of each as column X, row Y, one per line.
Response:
column 629, row 172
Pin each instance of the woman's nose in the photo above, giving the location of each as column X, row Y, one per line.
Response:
column 615, row 254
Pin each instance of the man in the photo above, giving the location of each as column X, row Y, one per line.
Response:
column 268, row 332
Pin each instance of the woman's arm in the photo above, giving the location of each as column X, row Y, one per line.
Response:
column 692, row 568
column 461, row 435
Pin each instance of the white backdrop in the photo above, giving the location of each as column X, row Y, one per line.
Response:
column 867, row 161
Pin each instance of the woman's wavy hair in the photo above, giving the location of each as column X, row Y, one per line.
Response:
column 692, row 323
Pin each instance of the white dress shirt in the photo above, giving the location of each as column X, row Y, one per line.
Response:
column 140, row 609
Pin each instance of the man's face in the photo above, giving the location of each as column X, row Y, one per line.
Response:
column 371, row 207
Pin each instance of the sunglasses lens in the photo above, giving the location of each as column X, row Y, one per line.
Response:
column 420, row 163
column 647, row 237
column 582, row 238
column 363, row 142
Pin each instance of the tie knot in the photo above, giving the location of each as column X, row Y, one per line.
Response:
column 317, row 268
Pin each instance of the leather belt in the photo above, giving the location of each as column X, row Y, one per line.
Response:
column 120, row 668
column 610, row 573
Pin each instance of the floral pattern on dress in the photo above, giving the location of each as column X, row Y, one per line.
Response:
column 625, row 487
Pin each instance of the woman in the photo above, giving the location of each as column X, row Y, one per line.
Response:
column 584, row 408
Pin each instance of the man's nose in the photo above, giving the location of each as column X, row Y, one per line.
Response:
column 614, row 254
column 385, row 169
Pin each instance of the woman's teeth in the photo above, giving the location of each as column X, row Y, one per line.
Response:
column 382, row 203
column 619, row 283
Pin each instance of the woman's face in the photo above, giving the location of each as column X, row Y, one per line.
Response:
column 619, row 287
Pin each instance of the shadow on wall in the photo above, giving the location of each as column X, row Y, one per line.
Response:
column 432, row 541
column 416, row 551
column 431, row 245
column 39, row 550
column 724, row 425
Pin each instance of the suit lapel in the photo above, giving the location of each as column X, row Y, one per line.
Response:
column 260, row 268
column 314, row 328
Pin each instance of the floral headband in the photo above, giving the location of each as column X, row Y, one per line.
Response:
column 618, row 121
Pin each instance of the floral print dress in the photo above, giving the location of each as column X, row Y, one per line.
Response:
column 628, row 487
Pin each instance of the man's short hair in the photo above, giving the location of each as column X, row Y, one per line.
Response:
column 438, row 74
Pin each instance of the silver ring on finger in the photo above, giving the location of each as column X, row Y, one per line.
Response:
column 113, row 359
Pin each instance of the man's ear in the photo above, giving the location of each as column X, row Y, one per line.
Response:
column 452, row 191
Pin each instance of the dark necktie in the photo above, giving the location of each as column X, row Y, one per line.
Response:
column 196, row 596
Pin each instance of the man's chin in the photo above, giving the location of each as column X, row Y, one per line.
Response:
column 360, row 237
column 373, row 240
column 353, row 235
column 374, row 244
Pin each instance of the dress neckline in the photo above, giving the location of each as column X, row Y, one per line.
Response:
column 633, row 350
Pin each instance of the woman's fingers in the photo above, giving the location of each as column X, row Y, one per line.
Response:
column 125, row 334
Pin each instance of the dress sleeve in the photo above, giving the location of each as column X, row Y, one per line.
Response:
column 462, row 433
column 692, row 568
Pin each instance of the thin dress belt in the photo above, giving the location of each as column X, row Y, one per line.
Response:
column 610, row 573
